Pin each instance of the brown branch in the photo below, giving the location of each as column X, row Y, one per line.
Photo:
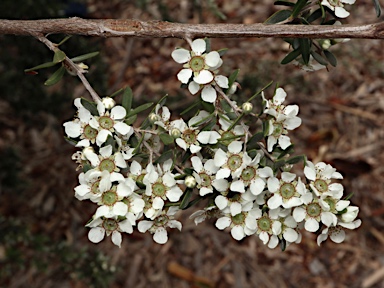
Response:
column 161, row 29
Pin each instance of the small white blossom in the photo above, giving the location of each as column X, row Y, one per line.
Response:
column 337, row 6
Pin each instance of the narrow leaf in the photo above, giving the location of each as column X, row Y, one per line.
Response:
column 127, row 99
column 232, row 78
column 319, row 58
column 296, row 159
column 298, row 7
column 291, row 56
column 114, row 94
column 90, row 106
column 305, row 47
column 331, row 58
column 253, row 141
column 84, row 57
column 376, row 3
column 139, row 109
column 259, row 92
column 315, row 15
column 55, row 77
column 164, row 157
column 59, row 56
column 64, row 40
column 41, row 66
column 166, row 138
column 185, row 201
column 278, row 17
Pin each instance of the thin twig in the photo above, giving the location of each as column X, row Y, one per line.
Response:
column 72, row 67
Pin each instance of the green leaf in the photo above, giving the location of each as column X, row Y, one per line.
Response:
column 296, row 159
column 166, row 138
column 291, row 56
column 319, row 58
column 130, row 120
column 331, row 58
column 139, row 109
column 41, row 66
column 305, row 47
column 266, row 124
column 235, row 122
column 376, row 3
column 59, row 56
column 278, row 164
column 232, row 78
column 55, row 77
column 84, row 56
column 288, row 150
column 164, row 157
column 114, row 94
column 259, row 92
column 190, row 107
column 185, row 201
column 284, row 3
column 64, row 40
column 298, row 7
column 253, row 141
column 111, row 141
column 315, row 15
column 127, row 99
column 70, row 141
column 205, row 119
column 222, row 51
column 278, row 17
column 90, row 106
column 86, row 167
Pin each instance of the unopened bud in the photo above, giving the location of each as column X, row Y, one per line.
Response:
column 108, row 102
column 190, row 181
column 175, row 133
column 153, row 118
column 247, row 107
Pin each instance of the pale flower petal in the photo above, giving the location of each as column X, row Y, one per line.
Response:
column 223, row 223
column 193, row 87
column 237, row 232
column 199, row 46
column 204, row 77
column 116, row 238
column 184, row 75
column 212, row 58
column 160, row 236
column 181, row 55
column 96, row 234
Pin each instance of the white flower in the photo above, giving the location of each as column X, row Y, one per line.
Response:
column 208, row 92
column 283, row 119
column 242, row 224
column 252, row 176
column 197, row 63
column 288, row 232
column 161, row 184
column 205, row 177
column 313, row 213
column 337, row 233
column 110, row 121
column 232, row 162
column 100, row 227
column 268, row 225
column 227, row 136
column 320, row 176
column 105, row 161
column 80, row 127
column 163, row 117
column 158, row 226
column 287, row 192
column 338, row 7
column 234, row 202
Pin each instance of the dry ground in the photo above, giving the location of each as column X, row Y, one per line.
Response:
column 343, row 124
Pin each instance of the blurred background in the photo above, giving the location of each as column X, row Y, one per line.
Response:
column 43, row 241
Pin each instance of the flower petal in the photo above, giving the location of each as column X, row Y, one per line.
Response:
column 184, row 75
column 160, row 236
column 181, row 55
column 212, row 59
column 237, row 232
column 204, row 77
column 96, row 234
column 116, row 238
column 223, row 223
column 199, row 46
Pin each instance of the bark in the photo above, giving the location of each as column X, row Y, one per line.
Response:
column 161, row 29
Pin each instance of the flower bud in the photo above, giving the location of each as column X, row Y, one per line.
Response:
column 232, row 89
column 86, row 150
column 153, row 118
column 190, row 181
column 247, row 107
column 108, row 102
column 175, row 133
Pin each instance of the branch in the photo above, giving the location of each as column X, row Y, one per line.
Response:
column 161, row 29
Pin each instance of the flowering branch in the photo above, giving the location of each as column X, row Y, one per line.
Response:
column 162, row 29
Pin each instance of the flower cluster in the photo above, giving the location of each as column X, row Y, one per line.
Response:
column 234, row 158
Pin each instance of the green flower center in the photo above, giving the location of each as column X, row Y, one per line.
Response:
column 313, row 210
column 335, row 3
column 107, row 164
column 287, row 190
column 277, row 129
column 158, row 189
column 189, row 136
column 89, row 132
column 106, row 122
column 161, row 220
column 234, row 162
column 321, row 185
column 248, row 174
column 109, row 198
column 238, row 219
column 110, row 225
column 264, row 224
column 227, row 137
column 197, row 63
column 205, row 180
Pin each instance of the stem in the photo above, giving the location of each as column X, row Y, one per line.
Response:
column 71, row 66
column 162, row 29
